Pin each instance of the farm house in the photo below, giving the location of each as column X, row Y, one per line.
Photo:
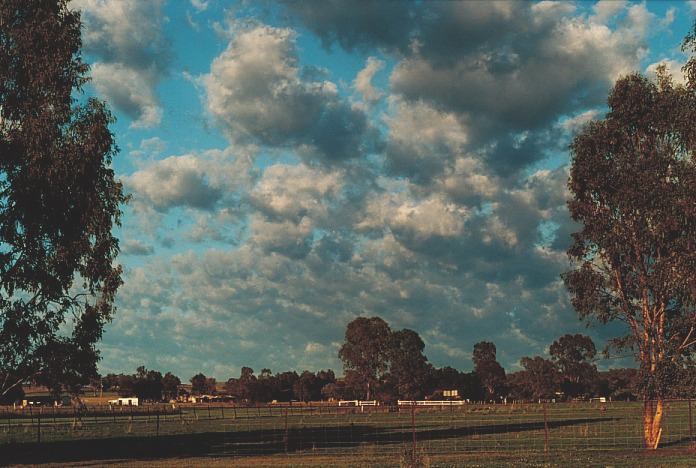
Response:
column 127, row 401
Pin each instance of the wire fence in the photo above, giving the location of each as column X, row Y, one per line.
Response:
column 226, row 430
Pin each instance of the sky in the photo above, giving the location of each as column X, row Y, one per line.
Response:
column 294, row 165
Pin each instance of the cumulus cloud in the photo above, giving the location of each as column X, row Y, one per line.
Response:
column 192, row 180
column 296, row 191
column 604, row 10
column 541, row 70
column 200, row 5
column 672, row 67
column 575, row 123
column 126, row 38
column 434, row 216
column 258, row 92
column 129, row 91
column 375, row 23
column 219, row 226
column 174, row 181
column 422, row 139
column 363, row 81
column 136, row 247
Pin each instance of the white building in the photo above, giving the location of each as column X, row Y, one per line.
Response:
column 127, row 401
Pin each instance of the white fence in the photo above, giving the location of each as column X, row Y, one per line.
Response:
column 358, row 403
column 431, row 402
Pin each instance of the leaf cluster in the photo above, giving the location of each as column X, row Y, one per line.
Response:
column 58, row 200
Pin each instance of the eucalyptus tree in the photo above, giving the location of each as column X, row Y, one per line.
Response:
column 633, row 190
column 59, row 200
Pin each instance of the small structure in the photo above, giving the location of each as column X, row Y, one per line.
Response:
column 358, row 403
column 220, row 398
column 431, row 402
column 127, row 401
column 46, row 400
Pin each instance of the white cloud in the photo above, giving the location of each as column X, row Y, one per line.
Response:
column 672, row 67
column 363, row 80
column 136, row 247
column 422, row 139
column 132, row 54
column 607, row 9
column 257, row 93
column 576, row 122
column 433, row 216
column 128, row 90
column 192, row 180
column 295, row 191
column 669, row 17
column 200, row 5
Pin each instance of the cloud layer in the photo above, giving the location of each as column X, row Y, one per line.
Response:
column 133, row 54
column 428, row 187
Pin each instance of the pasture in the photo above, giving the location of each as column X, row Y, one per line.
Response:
column 311, row 435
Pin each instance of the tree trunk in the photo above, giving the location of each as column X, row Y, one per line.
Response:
column 653, row 411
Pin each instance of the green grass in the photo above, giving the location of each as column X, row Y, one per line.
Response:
column 470, row 433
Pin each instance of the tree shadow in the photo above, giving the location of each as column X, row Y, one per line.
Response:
column 683, row 442
column 250, row 442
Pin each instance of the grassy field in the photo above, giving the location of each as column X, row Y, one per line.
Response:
column 574, row 434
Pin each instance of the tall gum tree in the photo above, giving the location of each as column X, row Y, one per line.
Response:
column 366, row 351
column 58, row 201
column 633, row 189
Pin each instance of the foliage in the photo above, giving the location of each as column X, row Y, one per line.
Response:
column 539, row 378
column 58, row 201
column 147, row 384
column 573, row 355
column 468, row 385
column 366, row 351
column 307, row 387
column 488, row 369
column 633, row 189
column 409, row 370
column 633, row 186
column 170, row 386
column 199, row 384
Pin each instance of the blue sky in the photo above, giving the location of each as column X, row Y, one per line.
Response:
column 294, row 165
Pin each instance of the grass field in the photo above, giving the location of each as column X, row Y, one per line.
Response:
column 573, row 434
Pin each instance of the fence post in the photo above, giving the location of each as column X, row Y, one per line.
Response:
column 286, row 429
column 691, row 423
column 546, row 431
column 413, row 431
column 38, row 430
column 157, row 431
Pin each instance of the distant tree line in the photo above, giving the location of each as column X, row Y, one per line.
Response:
column 388, row 365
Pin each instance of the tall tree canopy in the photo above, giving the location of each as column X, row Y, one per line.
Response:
column 540, row 377
column 573, row 355
column 58, row 201
column 633, row 186
column 366, row 351
column 409, row 370
column 488, row 369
